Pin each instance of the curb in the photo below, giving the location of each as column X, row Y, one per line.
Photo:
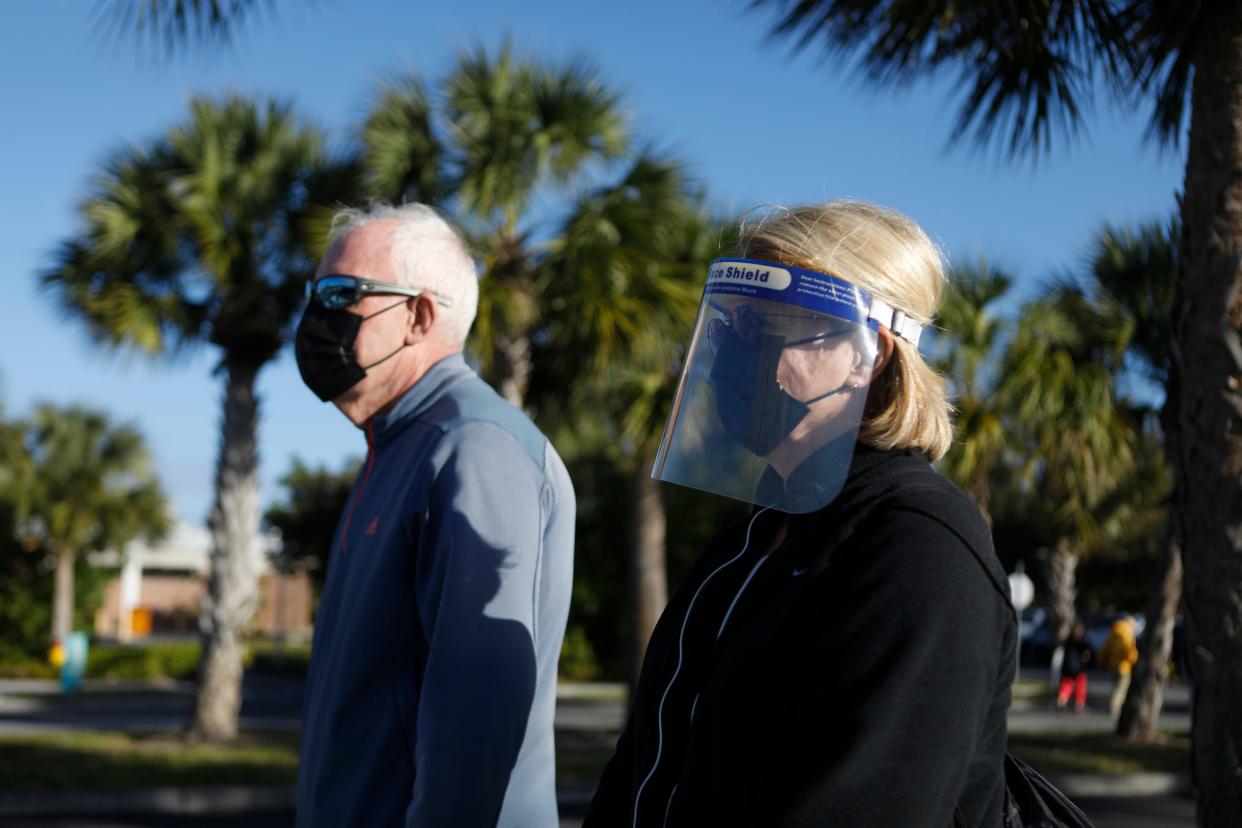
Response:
column 187, row 801
column 592, row 690
column 1123, row 784
column 184, row 801
column 52, row 687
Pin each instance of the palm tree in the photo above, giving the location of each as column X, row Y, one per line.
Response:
column 642, row 394
column 16, row 471
column 24, row 609
column 1079, row 443
column 619, row 289
column 202, row 238
column 511, row 132
column 313, row 500
column 1031, row 67
column 88, row 487
column 971, row 338
column 1135, row 271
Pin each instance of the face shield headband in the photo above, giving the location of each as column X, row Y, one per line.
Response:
column 775, row 381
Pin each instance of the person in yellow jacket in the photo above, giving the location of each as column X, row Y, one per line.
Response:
column 1119, row 654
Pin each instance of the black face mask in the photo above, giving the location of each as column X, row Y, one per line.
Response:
column 753, row 407
column 324, row 348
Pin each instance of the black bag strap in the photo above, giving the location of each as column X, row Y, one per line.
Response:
column 1031, row 801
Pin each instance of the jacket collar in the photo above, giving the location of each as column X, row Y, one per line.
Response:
column 875, row 468
column 420, row 397
column 803, row 489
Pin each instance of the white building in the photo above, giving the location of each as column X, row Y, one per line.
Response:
column 161, row 586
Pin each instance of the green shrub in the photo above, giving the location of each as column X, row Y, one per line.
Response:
column 26, row 668
column 143, row 662
column 26, row 597
column 293, row 657
column 578, row 661
column 161, row 660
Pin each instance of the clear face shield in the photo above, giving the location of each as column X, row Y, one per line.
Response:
column 773, row 390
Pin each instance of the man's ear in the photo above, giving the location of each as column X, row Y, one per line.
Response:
column 422, row 319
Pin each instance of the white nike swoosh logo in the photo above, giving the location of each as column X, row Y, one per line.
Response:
column 797, row 573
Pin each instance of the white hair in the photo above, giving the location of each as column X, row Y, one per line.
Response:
column 426, row 253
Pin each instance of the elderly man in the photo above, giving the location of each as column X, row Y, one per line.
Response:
column 432, row 682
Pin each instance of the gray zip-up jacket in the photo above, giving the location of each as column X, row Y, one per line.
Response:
column 432, row 683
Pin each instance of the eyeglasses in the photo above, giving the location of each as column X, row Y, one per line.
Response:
column 747, row 323
column 338, row 291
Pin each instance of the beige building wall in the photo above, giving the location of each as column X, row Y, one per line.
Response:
column 171, row 603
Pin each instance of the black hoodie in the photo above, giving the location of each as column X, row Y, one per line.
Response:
column 847, row 667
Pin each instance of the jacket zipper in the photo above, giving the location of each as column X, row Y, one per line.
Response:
column 362, row 488
column 680, row 651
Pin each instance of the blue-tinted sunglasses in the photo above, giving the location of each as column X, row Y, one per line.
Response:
column 337, row 291
column 797, row 328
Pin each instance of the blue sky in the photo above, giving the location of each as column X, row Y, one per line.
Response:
column 699, row 79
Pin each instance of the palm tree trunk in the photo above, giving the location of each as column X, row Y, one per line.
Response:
column 62, row 595
column 1141, row 713
column 232, row 585
column 981, row 493
column 1062, row 575
column 511, row 375
column 1208, row 354
column 648, row 575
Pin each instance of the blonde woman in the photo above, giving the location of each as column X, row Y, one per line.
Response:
column 844, row 655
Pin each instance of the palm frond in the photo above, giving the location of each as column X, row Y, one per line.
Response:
column 404, row 158
column 91, row 485
column 1135, row 270
column 1165, row 38
column 611, row 278
column 577, row 119
column 168, row 26
column 969, row 327
column 1026, row 67
column 512, row 122
column 198, row 236
column 1079, row 442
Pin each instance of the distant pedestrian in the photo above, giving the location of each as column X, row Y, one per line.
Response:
column 1119, row 654
column 1074, row 668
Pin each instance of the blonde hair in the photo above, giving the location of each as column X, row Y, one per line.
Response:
column 890, row 257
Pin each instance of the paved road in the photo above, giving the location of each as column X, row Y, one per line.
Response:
column 1025, row 718
column 269, row 702
column 1145, row 812
column 274, row 702
column 1109, row 812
